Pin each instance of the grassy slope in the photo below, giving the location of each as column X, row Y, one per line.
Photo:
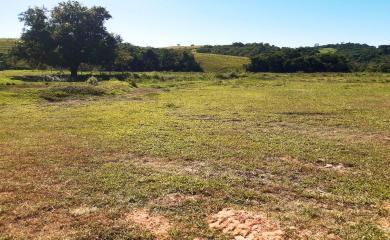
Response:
column 328, row 50
column 6, row 44
column 220, row 63
column 259, row 143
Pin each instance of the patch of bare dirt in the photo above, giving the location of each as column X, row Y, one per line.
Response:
column 384, row 222
column 138, row 93
column 80, row 211
column 290, row 159
column 156, row 224
column 175, row 199
column 245, row 225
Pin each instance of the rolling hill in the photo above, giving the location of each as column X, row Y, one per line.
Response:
column 6, row 44
column 220, row 63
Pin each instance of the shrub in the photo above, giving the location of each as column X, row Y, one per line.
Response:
column 230, row 75
column 92, row 81
column 132, row 83
column 62, row 93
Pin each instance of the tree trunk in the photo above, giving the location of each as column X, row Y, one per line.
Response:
column 73, row 72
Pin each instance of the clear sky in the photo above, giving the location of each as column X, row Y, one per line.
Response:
column 292, row 23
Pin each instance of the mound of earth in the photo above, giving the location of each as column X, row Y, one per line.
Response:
column 244, row 225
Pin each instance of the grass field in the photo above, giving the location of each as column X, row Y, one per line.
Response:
column 307, row 154
column 220, row 63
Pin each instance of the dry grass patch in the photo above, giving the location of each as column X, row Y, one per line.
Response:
column 175, row 199
column 45, row 225
column 156, row 224
column 80, row 211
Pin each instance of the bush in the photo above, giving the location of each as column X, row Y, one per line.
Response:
column 92, row 81
column 229, row 75
column 62, row 93
column 132, row 83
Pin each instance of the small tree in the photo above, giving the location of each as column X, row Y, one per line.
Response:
column 66, row 36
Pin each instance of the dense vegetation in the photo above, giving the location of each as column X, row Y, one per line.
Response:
column 328, row 58
column 133, row 58
column 239, row 49
column 295, row 60
column 363, row 57
column 73, row 36
column 66, row 36
column 127, row 58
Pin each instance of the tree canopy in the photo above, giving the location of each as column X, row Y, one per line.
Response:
column 133, row 58
column 66, row 36
column 296, row 60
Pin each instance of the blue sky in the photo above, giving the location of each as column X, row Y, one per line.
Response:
column 292, row 23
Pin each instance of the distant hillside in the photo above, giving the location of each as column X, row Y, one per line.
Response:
column 6, row 44
column 220, row 63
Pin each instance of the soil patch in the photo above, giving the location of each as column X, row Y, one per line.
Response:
column 175, row 199
column 156, row 224
column 245, row 225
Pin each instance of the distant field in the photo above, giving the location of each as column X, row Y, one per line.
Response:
column 220, row 63
column 328, row 50
column 6, row 44
column 188, row 156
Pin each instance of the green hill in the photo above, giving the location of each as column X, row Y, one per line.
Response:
column 220, row 63
column 6, row 44
column 328, row 50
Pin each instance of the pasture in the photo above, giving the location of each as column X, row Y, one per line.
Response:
column 306, row 153
column 220, row 63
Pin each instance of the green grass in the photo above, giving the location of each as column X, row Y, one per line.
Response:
column 328, row 50
column 220, row 63
column 258, row 142
column 63, row 93
column 6, row 44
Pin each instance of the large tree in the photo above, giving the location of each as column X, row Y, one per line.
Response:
column 66, row 36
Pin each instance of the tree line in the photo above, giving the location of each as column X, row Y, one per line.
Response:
column 134, row 58
column 344, row 57
column 72, row 35
column 298, row 60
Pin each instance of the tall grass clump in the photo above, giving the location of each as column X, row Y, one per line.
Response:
column 92, row 81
